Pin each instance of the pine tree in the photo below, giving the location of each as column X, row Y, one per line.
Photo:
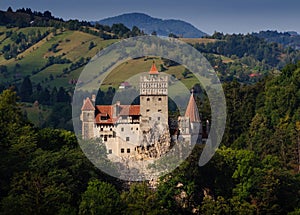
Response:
column 26, row 90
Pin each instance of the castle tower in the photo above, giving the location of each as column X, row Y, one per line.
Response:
column 190, row 125
column 154, row 97
column 88, row 119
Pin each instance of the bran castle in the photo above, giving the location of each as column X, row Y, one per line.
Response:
column 128, row 130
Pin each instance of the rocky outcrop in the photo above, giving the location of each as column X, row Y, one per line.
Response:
column 155, row 143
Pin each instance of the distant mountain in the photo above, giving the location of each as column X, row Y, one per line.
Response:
column 149, row 24
column 287, row 39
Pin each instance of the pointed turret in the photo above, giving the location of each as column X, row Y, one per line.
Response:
column 153, row 70
column 87, row 105
column 192, row 110
column 88, row 119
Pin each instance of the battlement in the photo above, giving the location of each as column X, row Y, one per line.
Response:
column 154, row 85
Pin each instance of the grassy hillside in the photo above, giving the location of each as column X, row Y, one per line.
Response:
column 135, row 66
column 71, row 45
column 198, row 40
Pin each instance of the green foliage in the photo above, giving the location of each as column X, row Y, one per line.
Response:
column 220, row 206
column 32, row 193
column 247, row 45
column 285, row 38
column 100, row 198
column 92, row 45
column 26, row 90
column 185, row 73
column 140, row 199
column 55, row 139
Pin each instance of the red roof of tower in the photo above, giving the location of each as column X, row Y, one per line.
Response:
column 87, row 105
column 192, row 110
column 153, row 70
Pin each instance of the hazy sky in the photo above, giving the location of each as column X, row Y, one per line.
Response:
column 228, row 16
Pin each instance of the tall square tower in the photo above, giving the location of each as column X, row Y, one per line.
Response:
column 154, row 97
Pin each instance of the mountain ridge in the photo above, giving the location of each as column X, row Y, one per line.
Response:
column 148, row 24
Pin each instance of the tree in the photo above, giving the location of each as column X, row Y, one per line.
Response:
column 141, row 200
column 154, row 33
column 47, row 14
column 62, row 95
column 17, row 139
column 173, row 35
column 136, row 31
column 92, row 45
column 100, row 198
column 185, row 73
column 9, row 9
column 33, row 193
column 3, row 69
column 26, row 90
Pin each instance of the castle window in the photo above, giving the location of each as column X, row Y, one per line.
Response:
column 137, row 129
column 128, row 150
column 101, row 129
column 110, row 129
column 122, row 129
column 105, row 138
column 127, row 138
column 148, row 99
column 159, row 110
column 148, row 110
column 110, row 151
column 159, row 99
column 158, row 118
column 122, row 150
column 150, row 118
column 131, row 129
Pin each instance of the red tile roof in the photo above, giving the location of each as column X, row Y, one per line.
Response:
column 131, row 110
column 153, row 70
column 87, row 105
column 107, row 111
column 192, row 110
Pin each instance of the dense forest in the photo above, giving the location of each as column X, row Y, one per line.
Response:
column 43, row 170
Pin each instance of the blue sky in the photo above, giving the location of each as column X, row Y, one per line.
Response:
column 228, row 16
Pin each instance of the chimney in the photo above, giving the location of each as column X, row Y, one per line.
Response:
column 93, row 99
column 207, row 127
column 116, row 109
